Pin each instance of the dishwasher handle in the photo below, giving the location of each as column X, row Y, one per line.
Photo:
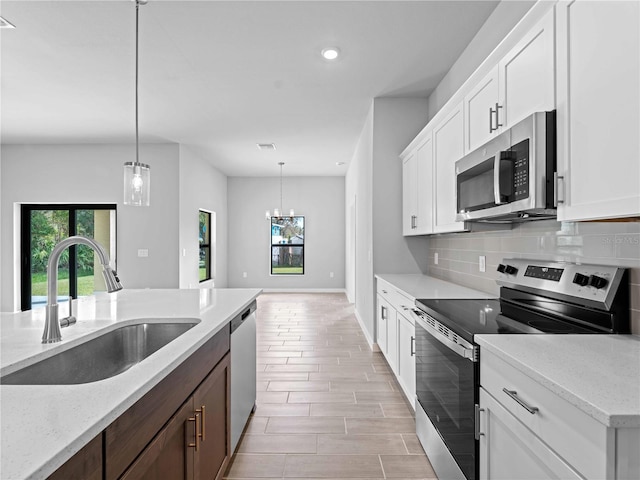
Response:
column 239, row 319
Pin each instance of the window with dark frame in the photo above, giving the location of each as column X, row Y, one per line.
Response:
column 205, row 246
column 42, row 227
column 287, row 245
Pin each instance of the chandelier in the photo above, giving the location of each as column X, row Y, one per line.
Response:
column 278, row 212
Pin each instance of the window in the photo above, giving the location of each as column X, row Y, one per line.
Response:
column 205, row 246
column 287, row 245
column 43, row 226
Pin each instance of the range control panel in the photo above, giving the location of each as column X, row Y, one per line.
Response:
column 597, row 283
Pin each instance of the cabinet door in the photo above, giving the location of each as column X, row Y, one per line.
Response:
column 527, row 75
column 84, row 465
column 392, row 340
column 168, row 455
column 381, row 324
column 424, row 187
column 479, row 105
column 211, row 402
column 510, row 451
column 406, row 358
column 409, row 194
column 448, row 139
column 598, row 109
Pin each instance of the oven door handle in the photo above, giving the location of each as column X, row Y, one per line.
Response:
column 496, row 180
column 461, row 350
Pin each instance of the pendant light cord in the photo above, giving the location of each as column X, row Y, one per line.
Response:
column 137, row 138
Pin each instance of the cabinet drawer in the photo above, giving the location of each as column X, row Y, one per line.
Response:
column 393, row 296
column 582, row 441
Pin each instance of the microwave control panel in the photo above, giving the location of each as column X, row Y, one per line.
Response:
column 520, row 154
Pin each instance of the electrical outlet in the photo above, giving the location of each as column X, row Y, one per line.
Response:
column 435, row 258
column 143, row 252
column 482, row 263
column 330, row 274
column 244, row 274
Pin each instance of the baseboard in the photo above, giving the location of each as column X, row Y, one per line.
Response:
column 365, row 331
column 304, row 290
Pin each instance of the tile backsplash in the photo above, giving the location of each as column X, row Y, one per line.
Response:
column 604, row 243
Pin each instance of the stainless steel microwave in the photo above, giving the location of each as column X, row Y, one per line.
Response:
column 512, row 178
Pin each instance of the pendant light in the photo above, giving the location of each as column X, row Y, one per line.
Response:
column 278, row 212
column 137, row 176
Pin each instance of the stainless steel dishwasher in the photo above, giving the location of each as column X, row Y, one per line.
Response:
column 243, row 371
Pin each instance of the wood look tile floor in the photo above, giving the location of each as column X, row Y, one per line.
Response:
column 327, row 406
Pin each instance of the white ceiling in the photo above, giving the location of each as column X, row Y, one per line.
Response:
column 221, row 76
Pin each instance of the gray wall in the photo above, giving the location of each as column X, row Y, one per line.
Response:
column 201, row 187
column 501, row 21
column 93, row 174
column 322, row 202
column 602, row 243
column 374, row 184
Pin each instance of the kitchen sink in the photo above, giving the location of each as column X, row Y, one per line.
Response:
column 100, row 358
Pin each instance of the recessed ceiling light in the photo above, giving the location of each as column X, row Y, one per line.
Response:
column 331, row 53
column 339, row 164
column 4, row 23
column 266, row 146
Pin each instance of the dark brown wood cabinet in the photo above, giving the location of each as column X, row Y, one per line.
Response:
column 84, row 465
column 195, row 443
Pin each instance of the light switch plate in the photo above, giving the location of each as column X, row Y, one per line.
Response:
column 143, row 252
column 482, row 263
column 435, row 258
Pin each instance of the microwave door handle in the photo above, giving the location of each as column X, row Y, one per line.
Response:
column 496, row 180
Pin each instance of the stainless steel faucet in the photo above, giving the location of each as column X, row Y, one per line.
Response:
column 52, row 325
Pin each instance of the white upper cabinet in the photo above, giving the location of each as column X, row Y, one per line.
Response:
column 598, row 109
column 523, row 82
column 527, row 75
column 417, row 190
column 479, row 111
column 409, row 193
column 448, row 147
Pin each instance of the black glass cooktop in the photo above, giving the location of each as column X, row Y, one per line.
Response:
column 469, row 317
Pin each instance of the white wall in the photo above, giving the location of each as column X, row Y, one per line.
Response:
column 374, row 181
column 320, row 199
column 93, row 174
column 201, row 187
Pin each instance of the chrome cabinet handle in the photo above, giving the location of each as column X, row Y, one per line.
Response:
column 413, row 221
column 383, row 312
column 557, row 180
column 514, row 395
column 498, row 124
column 478, row 433
column 413, row 346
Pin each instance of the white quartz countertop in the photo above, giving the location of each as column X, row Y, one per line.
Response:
column 599, row 374
column 423, row 286
column 43, row 426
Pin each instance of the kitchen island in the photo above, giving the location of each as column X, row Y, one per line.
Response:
column 43, row 426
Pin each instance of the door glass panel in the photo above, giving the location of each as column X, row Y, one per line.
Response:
column 48, row 227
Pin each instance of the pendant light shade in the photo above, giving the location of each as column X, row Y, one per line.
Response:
column 137, row 184
column 137, row 176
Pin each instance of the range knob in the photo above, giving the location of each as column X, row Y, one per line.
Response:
column 597, row 282
column 581, row 279
column 501, row 268
column 510, row 270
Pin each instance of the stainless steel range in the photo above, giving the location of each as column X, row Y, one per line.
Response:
column 536, row 297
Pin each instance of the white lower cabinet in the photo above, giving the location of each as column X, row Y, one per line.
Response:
column 395, row 336
column 510, row 451
column 406, row 357
column 382, row 315
column 529, row 432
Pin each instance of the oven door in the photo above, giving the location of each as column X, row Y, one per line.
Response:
column 447, row 380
